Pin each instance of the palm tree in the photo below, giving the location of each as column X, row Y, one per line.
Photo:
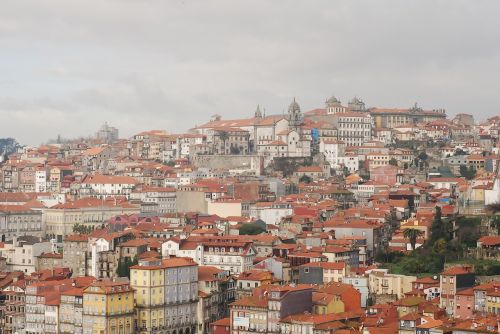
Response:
column 412, row 234
column 224, row 136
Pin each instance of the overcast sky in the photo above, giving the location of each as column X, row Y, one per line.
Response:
column 68, row 66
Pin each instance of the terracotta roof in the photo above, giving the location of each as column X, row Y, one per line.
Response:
column 77, row 238
column 109, row 179
column 252, row 301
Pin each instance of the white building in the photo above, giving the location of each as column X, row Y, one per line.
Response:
column 333, row 150
column 40, row 180
column 354, row 128
column 21, row 252
column 102, row 186
column 235, row 257
column 271, row 212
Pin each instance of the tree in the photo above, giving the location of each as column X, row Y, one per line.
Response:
column 251, row 229
column 423, row 156
column 437, row 227
column 305, row 179
column 468, row 172
column 440, row 246
column 234, row 150
column 224, row 136
column 493, row 208
column 412, row 234
column 124, row 264
column 81, row 229
column 393, row 162
column 8, row 146
column 459, row 151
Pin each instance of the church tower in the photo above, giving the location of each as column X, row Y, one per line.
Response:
column 258, row 113
column 333, row 106
column 295, row 116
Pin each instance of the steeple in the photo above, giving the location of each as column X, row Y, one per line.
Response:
column 294, row 114
column 258, row 113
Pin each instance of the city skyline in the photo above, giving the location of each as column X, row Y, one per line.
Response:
column 67, row 68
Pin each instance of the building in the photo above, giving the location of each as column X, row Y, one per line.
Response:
column 107, row 134
column 354, row 128
column 21, row 252
column 322, row 272
column 103, row 186
column 390, row 118
column 108, row 307
column 452, row 280
column 71, row 311
column 76, row 253
column 92, row 212
column 166, row 294
column 382, row 283
column 18, row 220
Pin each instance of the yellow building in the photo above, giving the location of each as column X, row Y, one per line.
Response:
column 493, row 301
column 148, row 281
column 108, row 308
column 325, row 303
column 59, row 219
column 166, row 294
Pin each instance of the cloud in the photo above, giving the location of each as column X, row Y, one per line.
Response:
column 69, row 66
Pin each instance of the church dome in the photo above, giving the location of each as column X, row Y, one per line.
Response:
column 332, row 100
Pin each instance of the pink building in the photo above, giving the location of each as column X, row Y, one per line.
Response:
column 464, row 303
column 384, row 174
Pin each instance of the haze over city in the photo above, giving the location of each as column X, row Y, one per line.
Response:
column 68, row 66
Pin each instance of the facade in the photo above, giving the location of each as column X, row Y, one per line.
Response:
column 451, row 281
column 354, row 128
column 390, row 118
column 108, row 307
column 382, row 283
column 103, row 186
column 71, row 311
column 59, row 219
column 76, row 254
column 166, row 295
column 21, row 253
column 18, row 220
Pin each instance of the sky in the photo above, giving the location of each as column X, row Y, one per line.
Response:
column 66, row 67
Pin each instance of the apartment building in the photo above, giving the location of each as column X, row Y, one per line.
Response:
column 103, row 186
column 451, row 281
column 59, row 219
column 108, row 307
column 18, row 220
column 382, row 283
column 166, row 293
column 354, row 128
column 21, row 252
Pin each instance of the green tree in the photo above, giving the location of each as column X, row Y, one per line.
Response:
column 224, row 136
column 468, row 172
column 437, row 227
column 423, row 156
column 393, row 162
column 81, row 229
column 124, row 264
column 305, row 179
column 251, row 229
column 413, row 234
column 440, row 246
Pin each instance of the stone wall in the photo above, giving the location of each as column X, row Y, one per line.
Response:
column 252, row 163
